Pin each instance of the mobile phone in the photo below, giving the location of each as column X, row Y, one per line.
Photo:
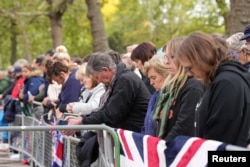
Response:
column 69, row 114
column 62, row 122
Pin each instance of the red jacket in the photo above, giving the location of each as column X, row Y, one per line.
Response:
column 16, row 89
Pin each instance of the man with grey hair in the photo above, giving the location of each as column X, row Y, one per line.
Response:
column 126, row 96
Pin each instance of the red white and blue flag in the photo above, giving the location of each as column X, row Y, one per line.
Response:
column 57, row 147
column 191, row 151
column 57, row 157
column 138, row 150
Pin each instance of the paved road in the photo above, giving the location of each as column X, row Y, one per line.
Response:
column 5, row 161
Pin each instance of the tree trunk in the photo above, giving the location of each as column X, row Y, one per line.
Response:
column 56, row 30
column 13, row 40
column 56, row 11
column 239, row 16
column 100, row 41
column 26, row 47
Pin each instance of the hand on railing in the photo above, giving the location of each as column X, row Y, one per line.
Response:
column 31, row 99
column 72, row 120
column 59, row 114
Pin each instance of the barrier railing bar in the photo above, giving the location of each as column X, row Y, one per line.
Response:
column 71, row 127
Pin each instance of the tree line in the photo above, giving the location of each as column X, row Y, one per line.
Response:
column 30, row 28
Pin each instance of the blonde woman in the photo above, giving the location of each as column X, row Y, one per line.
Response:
column 175, row 111
column 90, row 96
column 156, row 70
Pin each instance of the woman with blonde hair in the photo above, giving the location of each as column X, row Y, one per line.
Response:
column 156, row 70
column 224, row 112
column 61, row 54
column 90, row 95
column 175, row 111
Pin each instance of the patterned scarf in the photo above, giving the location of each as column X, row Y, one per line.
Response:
column 165, row 101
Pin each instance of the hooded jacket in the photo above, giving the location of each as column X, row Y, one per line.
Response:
column 32, row 84
column 224, row 112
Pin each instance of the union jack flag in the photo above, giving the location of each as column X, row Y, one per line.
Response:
column 138, row 150
column 191, row 151
column 57, row 157
column 58, row 146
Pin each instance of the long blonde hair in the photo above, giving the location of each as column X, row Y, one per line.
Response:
column 177, row 80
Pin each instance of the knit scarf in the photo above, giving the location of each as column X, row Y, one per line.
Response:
column 165, row 101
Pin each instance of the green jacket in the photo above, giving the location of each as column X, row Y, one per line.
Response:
column 4, row 84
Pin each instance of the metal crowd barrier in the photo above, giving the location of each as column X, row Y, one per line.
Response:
column 34, row 141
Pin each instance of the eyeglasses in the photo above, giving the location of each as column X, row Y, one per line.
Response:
column 234, row 54
column 169, row 57
column 188, row 69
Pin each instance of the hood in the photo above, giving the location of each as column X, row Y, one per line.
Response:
column 120, row 68
column 36, row 73
column 236, row 68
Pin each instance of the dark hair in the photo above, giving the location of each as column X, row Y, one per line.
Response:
column 39, row 60
column 76, row 59
column 55, row 68
column 50, row 52
column 144, row 52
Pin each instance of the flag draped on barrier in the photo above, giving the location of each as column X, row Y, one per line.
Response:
column 58, row 147
column 138, row 150
column 191, row 151
column 58, row 150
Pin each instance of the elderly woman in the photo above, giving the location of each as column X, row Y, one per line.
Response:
column 238, row 49
column 156, row 71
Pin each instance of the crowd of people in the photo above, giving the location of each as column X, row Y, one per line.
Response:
column 200, row 86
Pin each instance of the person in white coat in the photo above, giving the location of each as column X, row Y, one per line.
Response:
column 90, row 95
